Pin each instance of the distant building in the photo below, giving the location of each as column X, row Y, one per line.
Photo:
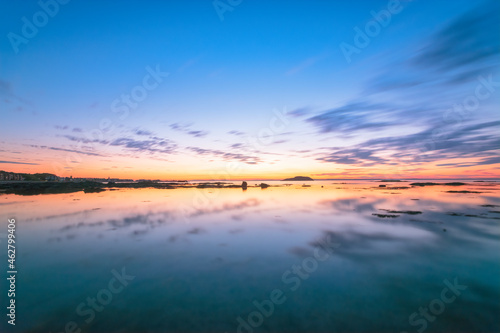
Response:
column 5, row 176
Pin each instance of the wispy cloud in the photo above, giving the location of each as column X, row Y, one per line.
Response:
column 13, row 162
column 67, row 150
column 186, row 128
column 307, row 63
column 478, row 141
column 248, row 159
column 235, row 132
column 420, row 86
column 152, row 145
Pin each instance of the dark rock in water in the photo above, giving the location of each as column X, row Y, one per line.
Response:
column 463, row 192
column 411, row 212
column 262, row 185
column 93, row 190
column 424, row 184
column 491, row 206
column 455, row 214
column 434, row 184
column 385, row 215
column 244, row 185
column 298, row 178
column 390, row 180
column 382, row 186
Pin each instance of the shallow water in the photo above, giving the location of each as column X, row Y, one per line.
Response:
column 201, row 259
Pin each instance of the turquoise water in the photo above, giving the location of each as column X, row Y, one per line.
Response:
column 282, row 259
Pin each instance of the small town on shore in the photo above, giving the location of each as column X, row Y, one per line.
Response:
column 40, row 177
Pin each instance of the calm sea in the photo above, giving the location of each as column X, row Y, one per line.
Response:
column 281, row 259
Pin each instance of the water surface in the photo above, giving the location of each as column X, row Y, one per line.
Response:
column 202, row 258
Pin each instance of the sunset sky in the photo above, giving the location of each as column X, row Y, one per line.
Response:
column 250, row 89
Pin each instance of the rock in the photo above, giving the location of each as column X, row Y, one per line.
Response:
column 411, row 212
column 262, row 185
column 244, row 185
column 385, row 215
column 298, row 178
column 93, row 190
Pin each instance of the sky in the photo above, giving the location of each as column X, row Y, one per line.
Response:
column 239, row 89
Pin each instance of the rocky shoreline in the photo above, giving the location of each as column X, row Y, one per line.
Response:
column 47, row 187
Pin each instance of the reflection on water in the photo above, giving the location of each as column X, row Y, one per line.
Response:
column 226, row 260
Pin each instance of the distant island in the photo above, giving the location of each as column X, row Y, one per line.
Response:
column 298, row 178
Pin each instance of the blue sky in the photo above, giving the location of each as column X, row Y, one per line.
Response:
column 228, row 78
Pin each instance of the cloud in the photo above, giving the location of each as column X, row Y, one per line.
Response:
column 479, row 140
column 143, row 132
column 84, row 140
column 415, row 91
column 12, row 162
column 466, row 45
column 67, row 150
column 300, row 112
column 152, row 145
column 185, row 128
column 144, row 141
column 225, row 156
column 72, row 151
column 359, row 156
column 307, row 63
column 198, row 134
column 453, row 57
column 359, row 115
column 490, row 160
column 8, row 97
column 237, row 133
column 238, row 145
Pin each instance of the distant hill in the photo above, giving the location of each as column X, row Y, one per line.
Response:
column 298, row 178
